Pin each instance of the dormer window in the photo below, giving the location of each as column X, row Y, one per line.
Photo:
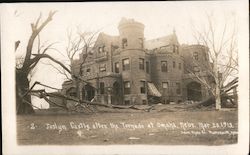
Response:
column 124, row 42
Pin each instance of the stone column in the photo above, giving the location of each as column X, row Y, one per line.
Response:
column 109, row 91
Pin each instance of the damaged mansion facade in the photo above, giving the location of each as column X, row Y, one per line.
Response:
column 127, row 69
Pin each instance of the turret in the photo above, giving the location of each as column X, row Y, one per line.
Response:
column 131, row 34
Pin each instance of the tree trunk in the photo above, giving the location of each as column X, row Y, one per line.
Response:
column 217, row 98
column 217, row 88
column 22, row 86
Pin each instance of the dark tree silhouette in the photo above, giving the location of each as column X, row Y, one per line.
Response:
column 23, row 98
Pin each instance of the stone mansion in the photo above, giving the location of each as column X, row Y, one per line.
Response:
column 127, row 69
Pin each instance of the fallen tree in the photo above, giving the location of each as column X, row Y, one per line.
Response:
column 87, row 105
column 224, row 94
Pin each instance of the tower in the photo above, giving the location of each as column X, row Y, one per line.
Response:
column 134, row 61
column 131, row 34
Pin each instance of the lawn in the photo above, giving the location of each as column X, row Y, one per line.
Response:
column 204, row 127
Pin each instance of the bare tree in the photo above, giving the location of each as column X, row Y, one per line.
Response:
column 29, row 62
column 78, row 44
column 223, row 55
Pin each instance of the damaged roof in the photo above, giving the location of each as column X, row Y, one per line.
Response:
column 162, row 41
column 107, row 39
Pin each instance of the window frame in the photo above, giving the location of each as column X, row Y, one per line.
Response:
column 166, row 84
column 125, row 67
column 126, row 90
column 141, row 64
column 178, row 88
column 143, row 87
column 102, row 87
column 117, row 69
column 102, row 68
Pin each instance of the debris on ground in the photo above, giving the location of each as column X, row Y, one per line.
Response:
column 133, row 138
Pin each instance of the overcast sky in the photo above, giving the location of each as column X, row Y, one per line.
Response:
column 159, row 18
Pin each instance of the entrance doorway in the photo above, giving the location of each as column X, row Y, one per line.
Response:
column 117, row 94
column 194, row 91
column 88, row 92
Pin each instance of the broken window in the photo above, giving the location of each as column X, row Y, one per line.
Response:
column 127, row 87
column 164, row 67
column 125, row 64
column 124, row 42
column 141, row 63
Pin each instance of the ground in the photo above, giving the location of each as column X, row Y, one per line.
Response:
column 162, row 127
